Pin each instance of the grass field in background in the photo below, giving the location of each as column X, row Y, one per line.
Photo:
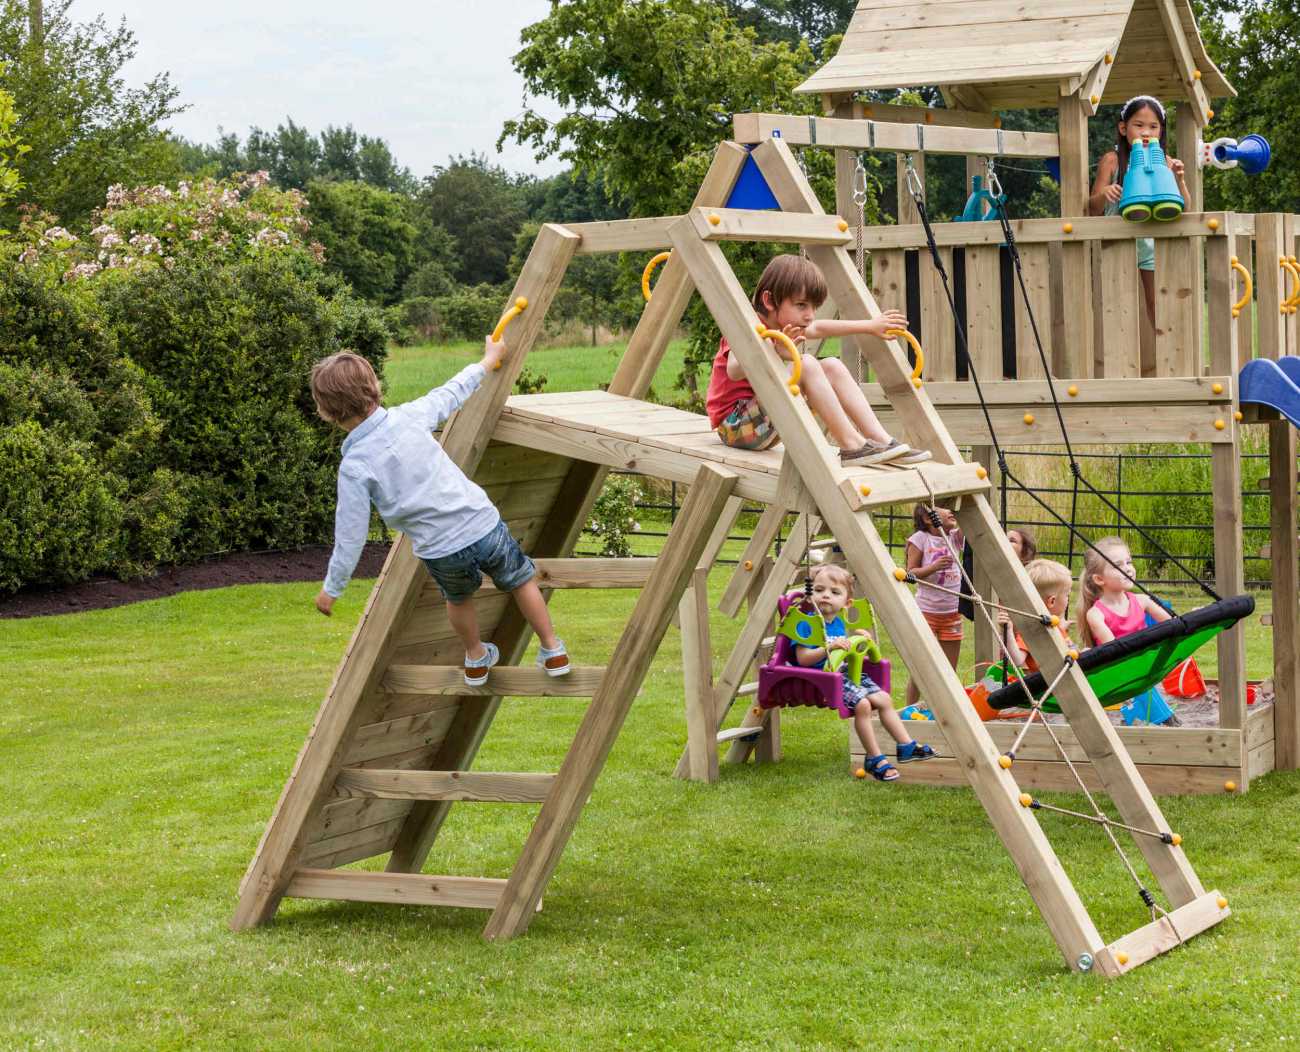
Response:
column 143, row 748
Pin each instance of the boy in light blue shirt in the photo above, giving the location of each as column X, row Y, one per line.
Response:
column 391, row 460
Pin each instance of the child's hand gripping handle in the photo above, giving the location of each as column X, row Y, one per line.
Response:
column 796, row 359
column 519, row 306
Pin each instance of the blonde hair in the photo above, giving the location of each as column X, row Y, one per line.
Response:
column 837, row 573
column 786, row 277
column 1094, row 563
column 1048, row 576
column 344, row 386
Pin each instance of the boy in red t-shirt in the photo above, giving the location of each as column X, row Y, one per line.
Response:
column 787, row 297
column 1053, row 581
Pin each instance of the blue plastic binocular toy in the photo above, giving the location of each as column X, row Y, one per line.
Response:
column 1150, row 190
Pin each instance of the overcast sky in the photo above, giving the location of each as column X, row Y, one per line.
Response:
column 433, row 77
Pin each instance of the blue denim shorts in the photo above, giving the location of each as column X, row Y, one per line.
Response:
column 460, row 574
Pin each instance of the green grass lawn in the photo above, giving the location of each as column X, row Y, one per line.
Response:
column 143, row 748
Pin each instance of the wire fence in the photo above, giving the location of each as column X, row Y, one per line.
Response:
column 1170, row 495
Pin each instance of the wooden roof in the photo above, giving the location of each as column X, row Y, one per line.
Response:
column 1007, row 54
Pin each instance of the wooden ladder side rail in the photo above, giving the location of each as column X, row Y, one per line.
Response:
column 608, row 710
column 1111, row 761
column 790, row 496
column 572, row 507
column 751, row 634
column 390, row 603
column 869, row 557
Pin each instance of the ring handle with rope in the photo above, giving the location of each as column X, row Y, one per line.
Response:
column 796, row 359
column 916, row 350
column 662, row 257
column 517, row 308
column 1289, row 302
column 1240, row 305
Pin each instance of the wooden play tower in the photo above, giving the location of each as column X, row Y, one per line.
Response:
column 395, row 739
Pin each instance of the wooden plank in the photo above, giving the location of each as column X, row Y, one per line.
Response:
column 1035, row 261
column 984, row 311
column 352, row 844
column 1045, row 231
column 1178, row 308
column 891, row 486
column 1183, row 57
column 413, row 889
column 1260, row 761
column 878, row 132
column 890, row 14
column 697, row 676
column 1096, row 394
column 1158, row 779
column 594, row 573
column 1164, row 934
column 746, row 224
column 889, row 278
column 1075, row 271
column 443, row 785
column 1121, row 310
column 765, row 532
column 591, row 745
column 504, row 681
column 1285, row 558
column 622, row 235
column 732, row 734
column 938, row 334
column 632, row 378
column 404, row 734
column 504, row 463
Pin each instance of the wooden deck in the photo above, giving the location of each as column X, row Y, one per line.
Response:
column 658, row 440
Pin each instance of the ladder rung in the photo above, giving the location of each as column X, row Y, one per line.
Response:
column 746, row 689
column 818, row 546
column 733, row 733
column 443, row 785
column 594, row 573
column 414, row 888
column 505, row 680
column 767, row 641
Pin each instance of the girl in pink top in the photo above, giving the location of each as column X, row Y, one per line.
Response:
column 1108, row 607
column 938, row 581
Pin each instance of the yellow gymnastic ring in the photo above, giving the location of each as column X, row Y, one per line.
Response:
column 916, row 349
column 650, row 269
column 796, row 359
column 1236, row 265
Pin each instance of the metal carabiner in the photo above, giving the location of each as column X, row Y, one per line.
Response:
column 994, row 183
column 914, row 185
column 859, row 183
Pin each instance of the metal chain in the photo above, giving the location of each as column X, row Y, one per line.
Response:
column 860, row 200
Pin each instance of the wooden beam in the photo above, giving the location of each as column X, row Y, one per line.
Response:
column 1045, row 231
column 1193, row 89
column 1164, row 934
column 504, row 681
column 413, row 889
column 443, row 785
column 1075, row 273
column 593, row 573
column 591, row 745
column 623, row 235
column 697, row 674
column 742, row 224
column 875, row 134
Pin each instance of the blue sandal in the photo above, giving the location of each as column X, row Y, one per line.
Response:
column 914, row 751
column 880, row 769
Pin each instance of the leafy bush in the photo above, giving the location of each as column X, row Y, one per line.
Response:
column 613, row 517
column 419, row 320
column 470, row 313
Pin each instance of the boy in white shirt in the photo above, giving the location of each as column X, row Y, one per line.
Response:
column 391, row 460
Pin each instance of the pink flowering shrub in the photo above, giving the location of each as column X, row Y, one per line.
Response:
column 225, row 221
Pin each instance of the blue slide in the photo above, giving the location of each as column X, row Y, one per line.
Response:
column 1275, row 384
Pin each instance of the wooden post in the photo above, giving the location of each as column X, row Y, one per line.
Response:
column 1226, row 472
column 1076, row 270
column 768, row 747
column 611, row 704
column 697, row 672
column 1188, row 129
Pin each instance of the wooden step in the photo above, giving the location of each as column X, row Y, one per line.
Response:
column 746, row 689
column 594, row 573
column 410, row 888
column 443, row 785
column 733, row 733
column 910, row 484
column 504, row 681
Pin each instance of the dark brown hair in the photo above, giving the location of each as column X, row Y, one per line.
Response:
column 1130, row 110
column 786, row 278
column 1028, row 546
column 344, row 386
column 921, row 517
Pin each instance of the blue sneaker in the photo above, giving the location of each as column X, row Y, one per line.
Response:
column 476, row 669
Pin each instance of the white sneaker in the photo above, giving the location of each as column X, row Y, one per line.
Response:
column 476, row 669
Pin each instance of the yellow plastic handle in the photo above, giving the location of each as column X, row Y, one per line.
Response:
column 916, row 349
column 650, row 269
column 1236, row 265
column 516, row 309
column 1291, row 302
column 796, row 359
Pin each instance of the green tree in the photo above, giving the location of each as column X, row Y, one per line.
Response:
column 813, row 20
column 368, row 236
column 482, row 206
column 86, row 130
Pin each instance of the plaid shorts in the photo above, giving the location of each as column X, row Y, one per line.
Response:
column 748, row 427
column 855, row 692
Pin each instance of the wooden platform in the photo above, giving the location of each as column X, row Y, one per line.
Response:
column 632, row 435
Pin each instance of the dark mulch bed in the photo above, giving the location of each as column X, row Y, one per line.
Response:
column 299, row 564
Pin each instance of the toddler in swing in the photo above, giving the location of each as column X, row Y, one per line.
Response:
column 1142, row 116
column 786, row 299
column 832, row 591
column 391, row 460
column 938, row 581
